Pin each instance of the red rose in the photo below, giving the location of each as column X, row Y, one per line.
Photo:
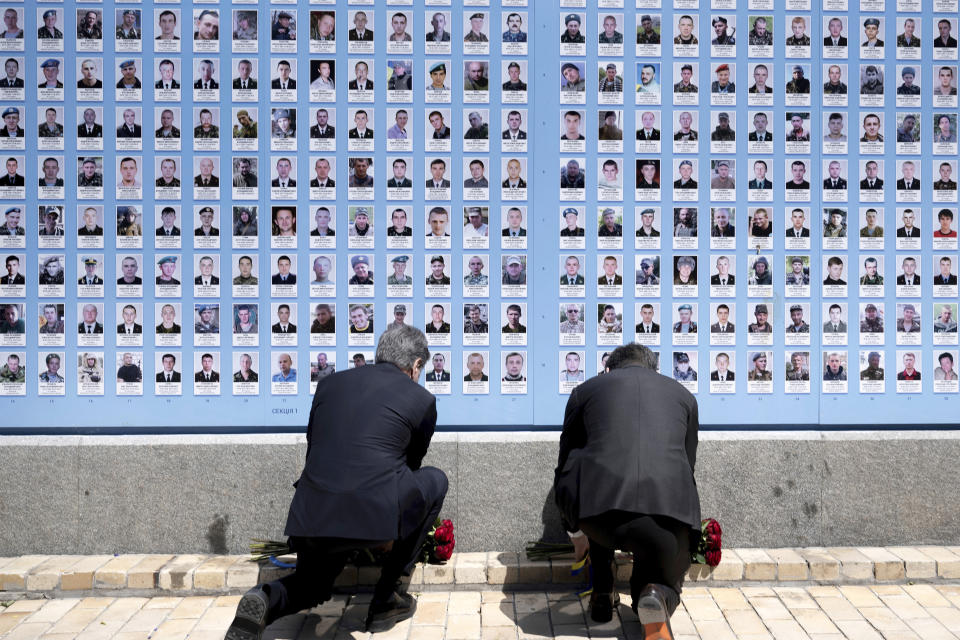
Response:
column 713, row 541
column 443, row 551
column 444, row 533
column 713, row 527
column 713, row 557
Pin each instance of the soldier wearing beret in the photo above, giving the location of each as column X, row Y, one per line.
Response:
column 871, row 28
column 168, row 266
column 127, row 29
column 129, row 79
column 476, row 25
column 51, row 70
column 723, row 84
column 398, row 276
column 11, row 118
column 760, row 373
column 49, row 29
column 720, row 29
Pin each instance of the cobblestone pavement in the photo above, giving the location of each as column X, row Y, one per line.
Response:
column 881, row 612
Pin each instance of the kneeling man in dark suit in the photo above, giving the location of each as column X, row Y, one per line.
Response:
column 625, row 480
column 362, row 487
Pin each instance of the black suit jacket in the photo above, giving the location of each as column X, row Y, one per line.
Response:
column 251, row 83
column 629, row 443
column 291, row 279
column 902, row 232
column 137, row 328
column 355, row 134
column 291, row 328
column 902, row 185
column 716, row 376
column 199, row 84
column 715, row 279
column 174, row 376
column 291, row 83
column 841, row 183
column 82, row 131
column 353, row 36
column 123, row 132
column 804, row 233
column 902, row 279
column 329, row 132
column 877, row 184
column 214, row 377
column 951, row 280
column 369, row 428
column 841, row 41
column 17, row 181
column 213, row 280
column 521, row 135
column 654, row 328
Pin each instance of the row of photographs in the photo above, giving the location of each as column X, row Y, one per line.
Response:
column 92, row 369
column 512, row 32
column 685, row 224
column 684, row 130
column 685, row 272
column 686, row 134
column 479, row 319
column 284, row 76
column 572, row 173
column 131, row 25
column 871, row 80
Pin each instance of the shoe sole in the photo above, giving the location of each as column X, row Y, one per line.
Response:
column 653, row 617
column 377, row 625
column 250, row 620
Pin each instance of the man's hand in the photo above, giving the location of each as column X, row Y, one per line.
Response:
column 581, row 545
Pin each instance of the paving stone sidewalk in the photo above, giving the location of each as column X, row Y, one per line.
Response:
column 868, row 612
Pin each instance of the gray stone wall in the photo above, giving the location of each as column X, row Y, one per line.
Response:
column 211, row 494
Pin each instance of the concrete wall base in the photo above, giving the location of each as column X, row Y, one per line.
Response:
column 211, row 494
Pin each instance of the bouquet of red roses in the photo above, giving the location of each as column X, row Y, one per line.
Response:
column 438, row 547
column 709, row 548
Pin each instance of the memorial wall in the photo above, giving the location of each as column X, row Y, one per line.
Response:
column 209, row 207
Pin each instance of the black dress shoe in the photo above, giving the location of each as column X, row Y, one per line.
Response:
column 251, row 616
column 652, row 610
column 396, row 608
column 602, row 606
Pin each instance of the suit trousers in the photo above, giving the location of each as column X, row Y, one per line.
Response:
column 320, row 560
column 660, row 546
